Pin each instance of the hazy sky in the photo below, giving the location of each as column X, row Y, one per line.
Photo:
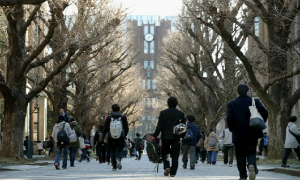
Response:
column 152, row 7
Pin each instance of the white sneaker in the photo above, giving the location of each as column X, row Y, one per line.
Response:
column 252, row 175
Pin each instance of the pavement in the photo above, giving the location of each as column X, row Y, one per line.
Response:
column 132, row 170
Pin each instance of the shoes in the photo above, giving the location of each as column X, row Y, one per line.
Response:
column 225, row 164
column 167, row 172
column 285, row 165
column 56, row 166
column 230, row 165
column 172, row 175
column 213, row 163
column 243, row 179
column 79, row 160
column 97, row 158
column 100, row 162
column 136, row 159
column 64, row 167
column 119, row 166
column 208, row 163
column 202, row 162
column 196, row 162
column 192, row 167
column 114, row 169
column 88, row 161
column 252, row 174
column 184, row 166
column 72, row 165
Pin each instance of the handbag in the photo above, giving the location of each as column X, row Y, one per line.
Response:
column 81, row 143
column 296, row 136
column 256, row 120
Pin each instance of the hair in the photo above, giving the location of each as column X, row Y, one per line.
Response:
column 26, row 137
column 138, row 134
column 211, row 130
column 190, row 118
column 60, row 118
column 242, row 89
column 62, row 109
column 115, row 108
column 293, row 119
column 172, row 102
column 72, row 119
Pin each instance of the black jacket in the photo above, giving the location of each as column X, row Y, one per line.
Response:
column 115, row 142
column 196, row 134
column 99, row 144
column 238, row 119
column 167, row 120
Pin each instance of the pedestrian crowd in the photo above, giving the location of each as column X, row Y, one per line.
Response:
column 175, row 133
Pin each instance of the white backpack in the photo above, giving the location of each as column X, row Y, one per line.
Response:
column 116, row 128
column 73, row 136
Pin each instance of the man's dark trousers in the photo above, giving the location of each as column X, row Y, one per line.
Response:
column 245, row 152
column 228, row 151
column 116, row 152
column 171, row 146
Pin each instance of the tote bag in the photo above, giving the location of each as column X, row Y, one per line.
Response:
column 81, row 142
column 256, row 120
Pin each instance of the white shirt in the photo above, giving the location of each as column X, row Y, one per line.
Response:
column 290, row 140
column 227, row 138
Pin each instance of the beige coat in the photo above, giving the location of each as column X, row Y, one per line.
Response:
column 207, row 147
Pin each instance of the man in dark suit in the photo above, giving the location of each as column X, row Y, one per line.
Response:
column 244, row 137
column 170, row 142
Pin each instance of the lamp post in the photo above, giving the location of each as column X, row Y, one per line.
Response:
column 30, row 145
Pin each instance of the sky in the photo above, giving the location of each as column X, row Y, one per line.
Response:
column 152, row 7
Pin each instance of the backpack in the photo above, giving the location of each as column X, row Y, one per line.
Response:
column 152, row 150
column 73, row 137
column 266, row 141
column 116, row 128
column 189, row 135
column 62, row 137
column 99, row 137
column 45, row 144
column 212, row 142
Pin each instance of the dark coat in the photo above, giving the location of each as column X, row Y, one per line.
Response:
column 196, row 134
column 167, row 120
column 115, row 142
column 238, row 119
column 97, row 136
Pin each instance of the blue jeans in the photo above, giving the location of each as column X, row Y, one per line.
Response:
column 84, row 155
column 212, row 156
column 59, row 150
column 72, row 154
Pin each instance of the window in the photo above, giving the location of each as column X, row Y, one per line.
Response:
column 145, row 29
column 148, row 71
column 143, row 84
column 152, row 64
column 146, row 64
column 256, row 26
column 146, row 45
column 148, row 84
column 154, row 84
column 152, row 47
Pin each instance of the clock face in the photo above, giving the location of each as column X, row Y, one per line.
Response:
column 149, row 37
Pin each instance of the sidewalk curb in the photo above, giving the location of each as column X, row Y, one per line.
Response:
column 292, row 172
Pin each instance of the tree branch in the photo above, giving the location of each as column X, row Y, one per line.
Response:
column 30, row 18
column 20, row 2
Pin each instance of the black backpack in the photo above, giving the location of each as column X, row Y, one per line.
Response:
column 62, row 137
column 45, row 144
column 153, row 153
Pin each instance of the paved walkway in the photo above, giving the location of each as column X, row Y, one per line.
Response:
column 134, row 170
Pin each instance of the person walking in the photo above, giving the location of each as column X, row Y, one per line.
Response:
column 228, row 146
column 74, row 145
column 25, row 143
column 203, row 152
column 139, row 146
column 169, row 118
column 87, row 146
column 98, row 142
column 50, row 145
column 39, row 146
column 291, row 142
column 65, row 115
column 46, row 146
column 212, row 147
column 61, row 147
column 131, row 147
column 116, row 129
column 264, row 144
column 244, row 136
column 190, row 145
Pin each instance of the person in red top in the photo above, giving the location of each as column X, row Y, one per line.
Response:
column 116, row 145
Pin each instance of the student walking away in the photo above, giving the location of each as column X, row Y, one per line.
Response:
column 244, row 136
column 98, row 142
column 45, row 146
column 264, row 144
column 39, row 146
column 87, row 146
column 125, row 149
column 65, row 115
column 189, row 142
column 212, row 147
column 25, row 143
column 168, row 119
column 50, row 145
column 61, row 132
column 115, row 129
column 228, row 146
column 291, row 142
column 74, row 140
column 139, row 146
column 200, row 144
